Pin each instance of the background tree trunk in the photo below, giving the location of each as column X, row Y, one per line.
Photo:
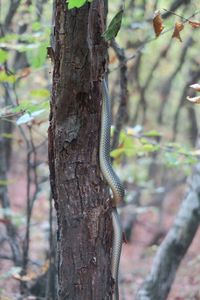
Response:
column 173, row 248
column 84, row 223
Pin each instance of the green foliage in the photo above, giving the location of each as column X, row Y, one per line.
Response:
column 3, row 56
column 40, row 93
column 10, row 37
column 114, row 26
column 172, row 155
column 7, row 136
column 4, row 77
column 152, row 133
column 127, row 146
column 37, row 57
column 171, row 159
column 36, row 26
column 147, row 148
column 30, row 107
column 76, row 3
column 4, row 182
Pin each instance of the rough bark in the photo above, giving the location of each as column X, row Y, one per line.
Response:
column 158, row 283
column 80, row 195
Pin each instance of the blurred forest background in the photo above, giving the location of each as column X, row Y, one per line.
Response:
column 154, row 146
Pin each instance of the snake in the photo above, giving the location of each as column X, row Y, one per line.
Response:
column 114, row 184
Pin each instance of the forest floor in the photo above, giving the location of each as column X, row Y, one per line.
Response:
column 136, row 258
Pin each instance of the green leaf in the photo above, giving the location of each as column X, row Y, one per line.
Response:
column 7, row 135
column 40, row 93
column 7, row 78
column 129, row 146
column 36, row 26
column 150, row 148
column 3, row 56
column 114, row 26
column 171, row 159
column 9, row 38
column 152, row 133
column 76, row 3
column 37, row 57
column 3, row 182
column 117, row 152
column 31, row 107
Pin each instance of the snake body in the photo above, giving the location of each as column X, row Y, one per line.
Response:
column 114, row 183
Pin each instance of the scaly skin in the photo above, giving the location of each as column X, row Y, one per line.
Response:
column 114, row 183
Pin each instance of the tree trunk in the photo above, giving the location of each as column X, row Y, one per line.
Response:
column 84, row 223
column 172, row 250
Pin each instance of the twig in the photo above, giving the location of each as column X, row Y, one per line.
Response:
column 168, row 84
column 122, row 114
column 142, row 89
column 174, row 6
column 149, row 40
column 14, row 4
column 173, row 13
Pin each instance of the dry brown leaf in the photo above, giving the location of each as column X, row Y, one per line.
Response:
column 24, row 278
column 24, row 73
column 158, row 23
column 195, row 86
column 45, row 267
column 112, row 59
column 194, row 24
column 195, row 100
column 177, row 29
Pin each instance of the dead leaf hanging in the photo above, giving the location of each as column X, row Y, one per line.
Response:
column 195, row 100
column 194, row 24
column 158, row 23
column 177, row 29
column 195, row 86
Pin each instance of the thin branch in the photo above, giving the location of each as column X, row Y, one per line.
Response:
column 168, row 84
column 6, row 257
column 14, row 4
column 122, row 114
column 142, row 89
column 174, row 6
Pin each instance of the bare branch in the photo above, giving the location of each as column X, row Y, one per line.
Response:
column 168, row 84
column 14, row 4
column 122, row 114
